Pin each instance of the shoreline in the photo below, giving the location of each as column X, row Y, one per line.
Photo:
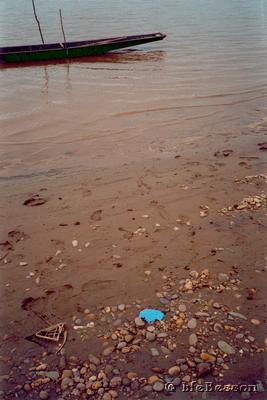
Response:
column 152, row 228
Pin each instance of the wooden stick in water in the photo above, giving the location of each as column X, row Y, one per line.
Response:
column 62, row 27
column 37, row 20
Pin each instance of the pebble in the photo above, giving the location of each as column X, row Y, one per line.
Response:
column 192, row 349
column 203, row 369
column 62, row 362
column 162, row 335
column 121, row 345
column 131, row 375
column 54, row 375
column 106, row 352
column 239, row 336
column 43, row 395
column 81, row 386
column 174, row 371
column 165, row 350
column 182, row 308
column 126, row 381
column 237, row 315
column 207, row 357
column 188, row 285
column 150, row 336
column 148, row 388
column 93, row 359
column 139, row 323
column 217, row 327
column 27, row 387
column 164, row 301
column 121, row 307
column 67, row 373
column 154, row 352
column 192, row 323
column 184, row 367
column 176, row 381
column 66, row 382
column 106, row 396
column 41, row 367
column 113, row 393
column 255, row 322
column 158, row 386
column 152, row 379
column 128, row 338
column 192, row 339
column 225, row 347
column 115, row 381
column 223, row 277
column 194, row 274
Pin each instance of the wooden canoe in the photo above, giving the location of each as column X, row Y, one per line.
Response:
column 85, row 48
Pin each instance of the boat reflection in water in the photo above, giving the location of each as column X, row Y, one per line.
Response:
column 120, row 57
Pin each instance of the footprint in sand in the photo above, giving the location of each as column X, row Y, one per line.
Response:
column 35, row 200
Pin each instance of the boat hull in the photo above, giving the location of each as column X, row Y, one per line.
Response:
column 58, row 51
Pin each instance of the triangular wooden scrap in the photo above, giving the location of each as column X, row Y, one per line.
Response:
column 53, row 332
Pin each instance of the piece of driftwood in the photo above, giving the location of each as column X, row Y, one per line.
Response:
column 65, row 333
column 52, row 333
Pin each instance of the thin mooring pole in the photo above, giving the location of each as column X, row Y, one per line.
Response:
column 37, row 20
column 62, row 28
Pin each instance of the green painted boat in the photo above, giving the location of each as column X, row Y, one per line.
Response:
column 56, row 51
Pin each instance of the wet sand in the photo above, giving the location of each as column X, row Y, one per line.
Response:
column 141, row 229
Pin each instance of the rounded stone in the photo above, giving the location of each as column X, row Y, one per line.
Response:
column 126, row 381
column 121, row 345
column 148, row 388
column 43, row 395
column 192, row 323
column 80, row 386
column 115, row 381
column 158, row 386
column 128, row 338
column 96, row 385
column 106, row 352
column 113, row 394
column 150, row 336
column 152, row 379
column 223, row 277
column 93, row 359
column 182, row 308
column 121, row 307
column 134, row 385
column 225, row 347
column 192, row 339
column 174, row 371
column 107, row 396
column 154, row 352
column 203, row 369
column 139, row 323
column 131, row 375
column 176, row 381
